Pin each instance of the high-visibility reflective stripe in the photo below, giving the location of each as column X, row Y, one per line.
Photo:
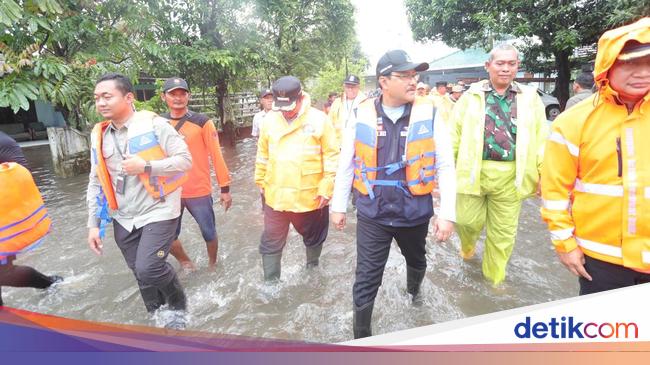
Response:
column 645, row 257
column 632, row 181
column 599, row 189
column 562, row 234
column 262, row 161
column 647, row 193
column 558, row 138
column 600, row 248
column 555, row 204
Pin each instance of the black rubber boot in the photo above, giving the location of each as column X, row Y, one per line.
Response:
column 272, row 264
column 413, row 282
column 361, row 319
column 177, row 302
column 313, row 254
column 152, row 298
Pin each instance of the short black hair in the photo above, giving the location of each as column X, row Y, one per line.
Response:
column 121, row 82
column 585, row 80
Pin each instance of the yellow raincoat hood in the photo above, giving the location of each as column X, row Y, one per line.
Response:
column 611, row 43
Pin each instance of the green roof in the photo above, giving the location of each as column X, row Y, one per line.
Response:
column 470, row 57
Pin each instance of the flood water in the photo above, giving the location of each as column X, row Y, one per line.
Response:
column 307, row 305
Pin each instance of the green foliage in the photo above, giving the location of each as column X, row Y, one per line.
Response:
column 550, row 29
column 331, row 76
column 55, row 49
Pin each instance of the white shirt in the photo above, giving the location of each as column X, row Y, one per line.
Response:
column 444, row 167
column 258, row 118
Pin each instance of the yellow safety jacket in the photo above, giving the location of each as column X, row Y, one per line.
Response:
column 467, row 129
column 596, row 178
column 419, row 153
column 339, row 115
column 445, row 106
column 296, row 162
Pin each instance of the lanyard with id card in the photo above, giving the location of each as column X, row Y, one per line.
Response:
column 120, row 181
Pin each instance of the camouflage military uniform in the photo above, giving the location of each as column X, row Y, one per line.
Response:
column 500, row 125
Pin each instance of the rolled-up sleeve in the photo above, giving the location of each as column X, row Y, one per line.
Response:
column 93, row 189
column 178, row 157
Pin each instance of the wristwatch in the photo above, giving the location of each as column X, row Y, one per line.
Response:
column 147, row 168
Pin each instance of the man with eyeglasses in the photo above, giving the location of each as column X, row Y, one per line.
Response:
column 394, row 156
column 498, row 129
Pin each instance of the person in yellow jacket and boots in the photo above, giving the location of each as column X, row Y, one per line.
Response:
column 498, row 130
column 138, row 164
column 596, row 178
column 447, row 102
column 297, row 155
column 343, row 108
column 394, row 157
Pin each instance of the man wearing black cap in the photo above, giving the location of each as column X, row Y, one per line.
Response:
column 203, row 141
column 295, row 166
column 343, row 108
column 266, row 102
column 394, row 156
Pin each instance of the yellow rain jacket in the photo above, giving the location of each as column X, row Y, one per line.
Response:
column 445, row 106
column 596, row 178
column 296, row 162
column 340, row 117
column 468, row 121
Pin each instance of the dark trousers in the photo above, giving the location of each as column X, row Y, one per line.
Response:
column 145, row 250
column 22, row 277
column 312, row 226
column 373, row 246
column 606, row 276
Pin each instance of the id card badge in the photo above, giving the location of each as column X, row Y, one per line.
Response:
column 120, row 184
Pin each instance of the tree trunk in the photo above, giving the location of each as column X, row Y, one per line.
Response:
column 221, row 90
column 563, row 76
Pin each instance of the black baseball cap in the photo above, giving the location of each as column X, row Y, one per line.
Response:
column 634, row 49
column 286, row 91
column 174, row 83
column 352, row 80
column 265, row 92
column 397, row 60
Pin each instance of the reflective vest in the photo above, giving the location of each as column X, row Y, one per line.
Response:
column 142, row 141
column 24, row 221
column 419, row 154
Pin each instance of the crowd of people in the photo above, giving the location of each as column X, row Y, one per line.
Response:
column 480, row 149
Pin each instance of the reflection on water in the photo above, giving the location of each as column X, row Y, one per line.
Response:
column 307, row 305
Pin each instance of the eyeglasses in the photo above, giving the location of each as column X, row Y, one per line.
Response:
column 414, row 77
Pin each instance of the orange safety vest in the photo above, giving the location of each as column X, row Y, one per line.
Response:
column 24, row 221
column 419, row 153
column 143, row 142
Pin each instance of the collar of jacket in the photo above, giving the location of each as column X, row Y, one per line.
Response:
column 484, row 85
column 607, row 94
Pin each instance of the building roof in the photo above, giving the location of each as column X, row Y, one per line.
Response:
column 471, row 57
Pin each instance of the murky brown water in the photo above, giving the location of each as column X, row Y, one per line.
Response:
column 314, row 306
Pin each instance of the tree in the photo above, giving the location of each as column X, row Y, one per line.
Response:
column 550, row 29
column 304, row 35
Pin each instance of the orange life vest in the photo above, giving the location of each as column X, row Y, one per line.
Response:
column 143, row 142
column 24, row 221
column 419, row 154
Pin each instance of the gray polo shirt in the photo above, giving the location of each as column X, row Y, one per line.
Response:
column 136, row 208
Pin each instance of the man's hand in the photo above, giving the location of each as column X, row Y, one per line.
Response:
column 539, row 188
column 322, row 201
column 442, row 229
column 226, row 201
column 94, row 241
column 574, row 260
column 133, row 165
column 338, row 220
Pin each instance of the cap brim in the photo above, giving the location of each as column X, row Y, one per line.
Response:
column 350, row 83
column 265, row 94
column 419, row 67
column 636, row 53
column 174, row 88
column 285, row 106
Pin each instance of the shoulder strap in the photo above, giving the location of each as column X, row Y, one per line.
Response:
column 180, row 123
